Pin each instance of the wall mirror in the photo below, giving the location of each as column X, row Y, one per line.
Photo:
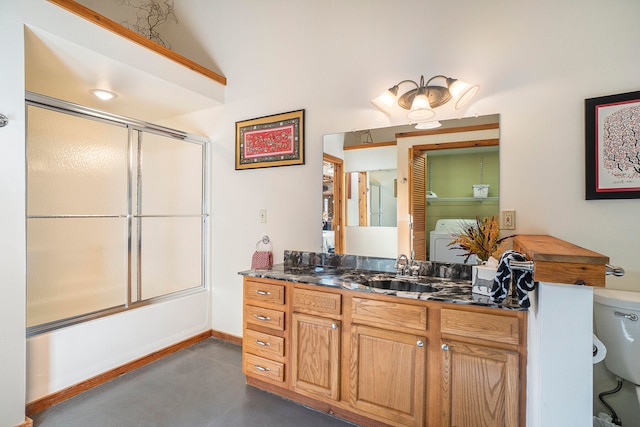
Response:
column 400, row 190
column 374, row 202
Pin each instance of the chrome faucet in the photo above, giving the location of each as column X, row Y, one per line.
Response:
column 414, row 266
column 401, row 266
column 406, row 266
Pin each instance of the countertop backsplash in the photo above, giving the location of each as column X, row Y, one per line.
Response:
column 305, row 260
column 445, row 282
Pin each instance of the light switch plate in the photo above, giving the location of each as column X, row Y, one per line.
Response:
column 508, row 220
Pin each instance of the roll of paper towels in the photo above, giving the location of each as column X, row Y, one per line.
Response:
column 599, row 350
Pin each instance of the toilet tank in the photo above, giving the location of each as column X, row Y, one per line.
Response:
column 617, row 325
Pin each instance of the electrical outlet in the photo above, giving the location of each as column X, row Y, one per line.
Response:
column 262, row 215
column 508, row 220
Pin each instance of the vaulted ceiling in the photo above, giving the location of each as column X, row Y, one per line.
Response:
column 66, row 58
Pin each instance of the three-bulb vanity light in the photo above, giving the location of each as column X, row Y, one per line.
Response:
column 424, row 97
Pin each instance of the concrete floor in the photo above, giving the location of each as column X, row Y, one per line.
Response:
column 201, row 386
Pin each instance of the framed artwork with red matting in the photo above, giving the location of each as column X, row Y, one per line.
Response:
column 276, row 140
column 612, row 161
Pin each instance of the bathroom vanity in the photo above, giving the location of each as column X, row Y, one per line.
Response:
column 347, row 339
column 331, row 339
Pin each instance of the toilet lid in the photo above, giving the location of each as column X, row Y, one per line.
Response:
column 617, row 298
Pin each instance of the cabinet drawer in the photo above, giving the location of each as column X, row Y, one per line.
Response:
column 262, row 344
column 264, row 317
column 260, row 367
column 389, row 313
column 264, row 292
column 308, row 301
column 491, row 327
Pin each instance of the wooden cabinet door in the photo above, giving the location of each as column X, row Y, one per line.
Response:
column 479, row 386
column 387, row 374
column 315, row 356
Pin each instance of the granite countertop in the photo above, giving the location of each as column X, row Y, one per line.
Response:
column 452, row 289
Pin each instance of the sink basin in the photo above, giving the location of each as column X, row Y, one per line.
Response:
column 395, row 284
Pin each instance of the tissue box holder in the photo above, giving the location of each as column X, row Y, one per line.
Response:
column 482, row 279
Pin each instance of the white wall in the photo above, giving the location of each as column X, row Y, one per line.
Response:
column 536, row 62
column 333, row 145
column 12, row 210
column 370, row 159
column 560, row 358
column 372, row 241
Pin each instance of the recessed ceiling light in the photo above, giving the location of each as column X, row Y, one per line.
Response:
column 105, row 95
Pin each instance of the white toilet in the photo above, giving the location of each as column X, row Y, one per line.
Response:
column 617, row 325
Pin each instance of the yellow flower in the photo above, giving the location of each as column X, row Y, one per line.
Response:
column 482, row 239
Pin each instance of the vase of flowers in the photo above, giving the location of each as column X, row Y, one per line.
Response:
column 483, row 240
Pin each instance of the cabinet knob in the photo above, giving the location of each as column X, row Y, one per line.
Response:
column 259, row 292
column 334, row 326
column 261, row 368
column 445, row 347
column 263, row 318
column 420, row 344
column 262, row 343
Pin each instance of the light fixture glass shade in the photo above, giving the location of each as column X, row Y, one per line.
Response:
column 386, row 100
column 420, row 108
column 462, row 93
column 428, row 125
column 104, row 95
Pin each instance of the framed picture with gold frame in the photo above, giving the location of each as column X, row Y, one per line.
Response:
column 276, row 140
